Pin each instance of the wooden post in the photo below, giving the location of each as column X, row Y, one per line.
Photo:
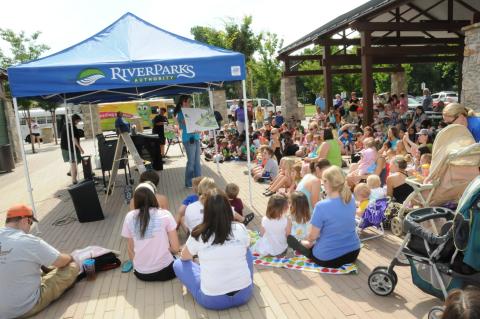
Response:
column 327, row 78
column 367, row 77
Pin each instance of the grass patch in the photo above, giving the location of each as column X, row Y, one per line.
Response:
column 310, row 110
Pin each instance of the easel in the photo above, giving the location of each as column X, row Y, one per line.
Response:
column 124, row 139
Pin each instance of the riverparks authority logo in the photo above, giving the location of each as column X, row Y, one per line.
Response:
column 89, row 76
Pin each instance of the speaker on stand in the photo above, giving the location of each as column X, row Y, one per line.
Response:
column 85, row 200
column 87, row 167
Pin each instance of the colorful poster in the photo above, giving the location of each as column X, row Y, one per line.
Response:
column 199, row 120
column 146, row 110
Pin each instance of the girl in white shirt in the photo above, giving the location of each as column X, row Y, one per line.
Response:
column 275, row 228
column 224, row 278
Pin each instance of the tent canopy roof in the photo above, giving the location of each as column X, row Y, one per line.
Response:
column 130, row 54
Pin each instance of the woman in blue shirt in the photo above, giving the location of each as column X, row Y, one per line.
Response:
column 333, row 240
column 191, row 143
column 455, row 113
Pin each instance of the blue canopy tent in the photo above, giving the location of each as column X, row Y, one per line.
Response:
column 130, row 59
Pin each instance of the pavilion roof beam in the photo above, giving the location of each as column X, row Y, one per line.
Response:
column 405, row 20
column 467, row 6
column 353, row 59
column 393, row 41
column 414, row 51
column 342, row 71
column 430, row 16
column 438, row 25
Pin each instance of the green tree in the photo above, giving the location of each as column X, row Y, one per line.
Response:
column 22, row 48
column 236, row 37
column 266, row 71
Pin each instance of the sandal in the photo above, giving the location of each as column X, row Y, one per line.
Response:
column 248, row 218
column 269, row 193
column 127, row 266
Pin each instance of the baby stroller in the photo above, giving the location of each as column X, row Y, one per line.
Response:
column 455, row 162
column 439, row 261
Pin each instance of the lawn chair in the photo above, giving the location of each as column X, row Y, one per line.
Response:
column 455, row 163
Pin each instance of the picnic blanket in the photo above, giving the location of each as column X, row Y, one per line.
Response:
column 298, row 262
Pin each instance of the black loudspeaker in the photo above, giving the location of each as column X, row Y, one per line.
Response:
column 87, row 167
column 86, row 203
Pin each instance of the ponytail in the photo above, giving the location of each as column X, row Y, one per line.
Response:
column 179, row 105
column 143, row 199
column 346, row 193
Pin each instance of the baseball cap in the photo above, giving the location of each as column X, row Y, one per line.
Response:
column 423, row 131
column 21, row 210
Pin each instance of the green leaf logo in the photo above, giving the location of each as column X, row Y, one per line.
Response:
column 89, row 76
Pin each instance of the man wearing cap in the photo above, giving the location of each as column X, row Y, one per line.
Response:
column 24, row 288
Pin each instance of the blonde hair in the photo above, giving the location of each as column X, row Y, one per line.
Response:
column 206, row 185
column 195, row 182
column 373, row 181
column 362, row 190
column 232, row 190
column 297, row 169
column 369, row 142
column 277, row 205
column 288, row 163
column 457, row 109
column 335, row 176
column 426, row 158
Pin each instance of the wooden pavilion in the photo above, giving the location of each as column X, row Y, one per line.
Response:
column 385, row 32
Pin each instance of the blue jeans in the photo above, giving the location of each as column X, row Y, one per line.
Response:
column 193, row 168
column 189, row 274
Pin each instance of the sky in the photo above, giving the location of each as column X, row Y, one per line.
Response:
column 67, row 22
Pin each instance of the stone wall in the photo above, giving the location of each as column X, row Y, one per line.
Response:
column 399, row 83
column 470, row 96
column 87, row 120
column 220, row 103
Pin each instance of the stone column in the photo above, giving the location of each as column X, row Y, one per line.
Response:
column 87, row 120
column 470, row 95
column 11, row 124
column 288, row 97
column 220, row 103
column 399, row 83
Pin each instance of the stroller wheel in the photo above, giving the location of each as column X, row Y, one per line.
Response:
column 436, row 312
column 396, row 226
column 381, row 282
column 393, row 273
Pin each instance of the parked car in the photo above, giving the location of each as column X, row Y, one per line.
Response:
column 445, row 96
column 413, row 103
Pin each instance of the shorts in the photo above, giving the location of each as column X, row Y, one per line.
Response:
column 66, row 158
column 36, row 134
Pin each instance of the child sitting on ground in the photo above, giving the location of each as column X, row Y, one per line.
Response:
column 232, row 191
column 284, row 178
column 376, row 189
column 270, row 170
column 188, row 200
column 362, row 195
column 299, row 214
column 275, row 228
column 153, row 178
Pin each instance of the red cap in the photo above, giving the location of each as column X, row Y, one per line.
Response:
column 20, row 210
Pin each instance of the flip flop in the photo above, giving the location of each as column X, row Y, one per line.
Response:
column 127, row 266
column 248, row 219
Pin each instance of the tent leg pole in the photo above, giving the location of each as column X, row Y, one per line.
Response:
column 247, row 138
column 93, row 130
column 67, row 117
column 210, row 99
column 25, row 162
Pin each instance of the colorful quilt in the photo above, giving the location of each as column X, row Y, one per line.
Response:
column 298, row 262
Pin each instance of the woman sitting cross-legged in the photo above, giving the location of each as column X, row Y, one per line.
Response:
column 224, row 278
column 332, row 240
column 152, row 236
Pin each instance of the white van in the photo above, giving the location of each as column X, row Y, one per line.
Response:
column 43, row 119
column 265, row 103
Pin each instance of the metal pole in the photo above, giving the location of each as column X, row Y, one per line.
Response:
column 25, row 162
column 210, row 98
column 93, row 135
column 247, row 138
column 67, row 116
column 73, row 141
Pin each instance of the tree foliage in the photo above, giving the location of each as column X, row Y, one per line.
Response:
column 23, row 47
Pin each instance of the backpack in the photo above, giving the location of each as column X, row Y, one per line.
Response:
column 104, row 262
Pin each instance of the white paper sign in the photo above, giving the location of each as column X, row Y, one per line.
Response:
column 199, row 120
